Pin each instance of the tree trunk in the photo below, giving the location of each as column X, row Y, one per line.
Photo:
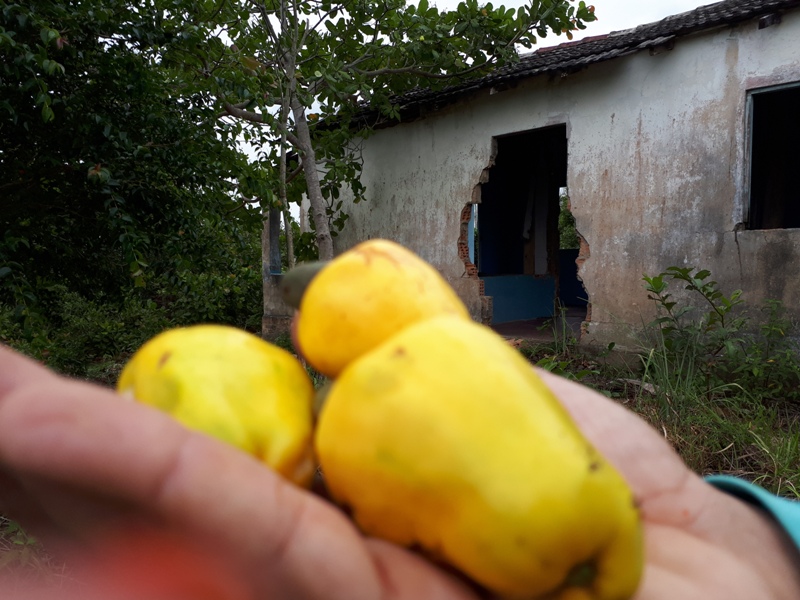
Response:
column 287, row 221
column 276, row 318
column 284, row 202
column 314, row 192
column 274, row 224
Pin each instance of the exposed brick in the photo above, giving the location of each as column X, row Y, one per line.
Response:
column 470, row 270
column 584, row 252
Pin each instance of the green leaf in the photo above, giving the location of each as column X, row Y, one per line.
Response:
column 47, row 113
column 47, row 35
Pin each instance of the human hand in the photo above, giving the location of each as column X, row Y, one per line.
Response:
column 75, row 458
column 700, row 543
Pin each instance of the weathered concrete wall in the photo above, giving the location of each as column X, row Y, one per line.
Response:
column 656, row 173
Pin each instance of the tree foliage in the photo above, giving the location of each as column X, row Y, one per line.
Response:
column 120, row 178
column 113, row 184
column 291, row 73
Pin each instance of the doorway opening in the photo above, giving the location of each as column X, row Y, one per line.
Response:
column 525, row 244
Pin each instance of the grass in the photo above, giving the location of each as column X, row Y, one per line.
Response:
column 24, row 561
column 722, row 429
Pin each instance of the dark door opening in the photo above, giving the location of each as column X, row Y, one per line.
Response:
column 518, row 249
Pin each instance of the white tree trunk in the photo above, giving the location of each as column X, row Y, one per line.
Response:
column 313, row 190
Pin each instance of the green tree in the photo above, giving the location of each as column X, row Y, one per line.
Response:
column 298, row 69
column 114, row 183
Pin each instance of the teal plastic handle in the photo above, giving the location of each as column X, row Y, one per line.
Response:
column 786, row 512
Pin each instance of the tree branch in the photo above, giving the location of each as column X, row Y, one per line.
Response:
column 268, row 24
column 530, row 26
column 294, row 174
column 234, row 110
column 239, row 106
column 244, row 203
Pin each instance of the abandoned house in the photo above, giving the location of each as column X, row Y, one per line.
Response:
column 673, row 143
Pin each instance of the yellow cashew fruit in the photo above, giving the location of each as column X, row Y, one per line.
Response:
column 364, row 296
column 232, row 385
column 443, row 437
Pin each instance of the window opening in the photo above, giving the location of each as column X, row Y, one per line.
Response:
column 774, row 158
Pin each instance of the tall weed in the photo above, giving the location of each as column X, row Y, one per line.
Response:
column 712, row 348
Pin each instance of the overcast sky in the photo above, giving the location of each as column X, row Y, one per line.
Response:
column 612, row 15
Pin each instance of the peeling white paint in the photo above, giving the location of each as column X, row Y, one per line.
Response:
column 656, row 174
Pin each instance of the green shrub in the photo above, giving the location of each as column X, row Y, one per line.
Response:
column 92, row 338
column 713, row 349
column 233, row 298
column 769, row 368
column 85, row 338
column 567, row 233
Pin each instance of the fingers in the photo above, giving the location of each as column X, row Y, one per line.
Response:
column 74, row 455
column 405, row 576
column 86, row 440
column 641, row 454
column 82, row 455
column 16, row 369
column 676, row 502
column 81, row 452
